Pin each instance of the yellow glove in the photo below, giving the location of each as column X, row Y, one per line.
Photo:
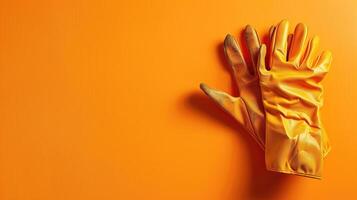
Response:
column 248, row 108
column 292, row 98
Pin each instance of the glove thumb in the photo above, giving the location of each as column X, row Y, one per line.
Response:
column 235, row 106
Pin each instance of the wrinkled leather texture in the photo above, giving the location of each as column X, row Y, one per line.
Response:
column 292, row 97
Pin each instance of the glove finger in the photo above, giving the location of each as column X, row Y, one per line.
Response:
column 311, row 52
column 271, row 32
column 234, row 106
column 298, row 44
column 261, row 62
column 290, row 39
column 253, row 44
column 236, row 60
column 324, row 62
column 280, row 40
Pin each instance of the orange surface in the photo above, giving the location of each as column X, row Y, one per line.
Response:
column 100, row 100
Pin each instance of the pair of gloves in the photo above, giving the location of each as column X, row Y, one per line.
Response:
column 280, row 97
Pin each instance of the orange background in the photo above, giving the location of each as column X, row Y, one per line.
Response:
column 100, row 100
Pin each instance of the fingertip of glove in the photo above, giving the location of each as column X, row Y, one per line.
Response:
column 228, row 40
column 315, row 40
column 209, row 91
column 284, row 22
column 301, row 26
column 328, row 53
column 248, row 28
column 204, row 87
